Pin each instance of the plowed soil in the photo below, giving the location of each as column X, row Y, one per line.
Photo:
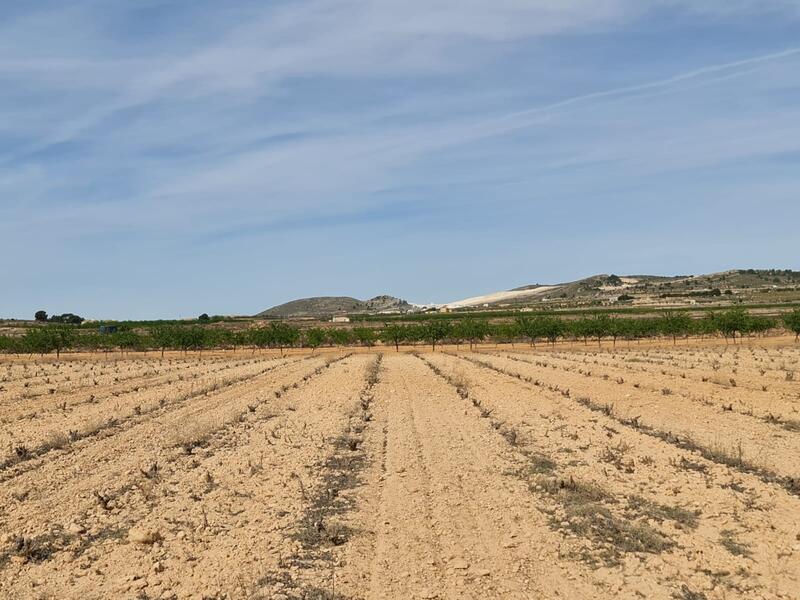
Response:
column 666, row 473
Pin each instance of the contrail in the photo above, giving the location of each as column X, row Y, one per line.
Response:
column 655, row 84
column 506, row 123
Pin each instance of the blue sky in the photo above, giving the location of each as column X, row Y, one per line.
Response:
column 166, row 158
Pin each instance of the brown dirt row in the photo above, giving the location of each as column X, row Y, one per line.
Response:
column 216, row 518
column 28, row 439
column 746, row 371
column 73, row 377
column 109, row 465
column 97, row 386
column 442, row 516
column 767, row 405
column 738, row 437
column 58, row 404
column 657, row 517
column 773, row 360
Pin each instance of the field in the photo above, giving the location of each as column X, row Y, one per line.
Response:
column 505, row 472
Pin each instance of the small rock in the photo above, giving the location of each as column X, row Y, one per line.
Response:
column 482, row 572
column 460, row 564
column 140, row 535
column 76, row 528
column 428, row 595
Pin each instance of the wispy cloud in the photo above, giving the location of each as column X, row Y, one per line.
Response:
column 162, row 122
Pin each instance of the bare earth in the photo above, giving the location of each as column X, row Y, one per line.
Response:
column 665, row 473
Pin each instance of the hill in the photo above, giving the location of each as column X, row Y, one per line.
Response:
column 728, row 287
column 750, row 285
column 326, row 306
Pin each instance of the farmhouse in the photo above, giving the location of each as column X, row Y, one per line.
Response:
column 340, row 319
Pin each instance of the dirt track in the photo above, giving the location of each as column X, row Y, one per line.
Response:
column 493, row 474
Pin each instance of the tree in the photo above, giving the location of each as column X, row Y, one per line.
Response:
column 67, row 318
column 126, row 340
column 260, row 337
column 395, row 334
column 340, row 337
column 792, row 322
column 6, row 343
column 529, row 328
column 435, row 331
column 675, row 324
column 37, row 341
column 40, row 315
column 760, row 325
column 191, row 338
column 283, row 335
column 551, row 328
column 506, row 333
column 164, row 336
column 582, row 328
column 472, row 330
column 44, row 340
column 366, row 336
column 731, row 322
column 314, row 338
column 204, row 317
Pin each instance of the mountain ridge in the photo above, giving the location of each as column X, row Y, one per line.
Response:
column 602, row 288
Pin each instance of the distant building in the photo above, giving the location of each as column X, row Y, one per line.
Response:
column 340, row 319
column 107, row 329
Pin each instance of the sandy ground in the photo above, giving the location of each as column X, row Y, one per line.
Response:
column 498, row 473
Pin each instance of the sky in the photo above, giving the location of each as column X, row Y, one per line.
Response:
column 160, row 159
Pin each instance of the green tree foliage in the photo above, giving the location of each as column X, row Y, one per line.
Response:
column 366, row 336
column 596, row 327
column 435, row 332
column 314, row 338
column 792, row 322
column 506, row 333
column 581, row 328
column 283, row 335
column 340, row 337
column 732, row 322
column 44, row 340
column 66, row 318
column 674, row 325
column 164, row 336
column 8, row 344
column 40, row 315
column 529, row 328
column 760, row 325
column 394, row 334
column 260, row 337
column 471, row 330
column 552, row 328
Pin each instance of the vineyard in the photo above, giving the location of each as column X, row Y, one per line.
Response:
column 659, row 472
